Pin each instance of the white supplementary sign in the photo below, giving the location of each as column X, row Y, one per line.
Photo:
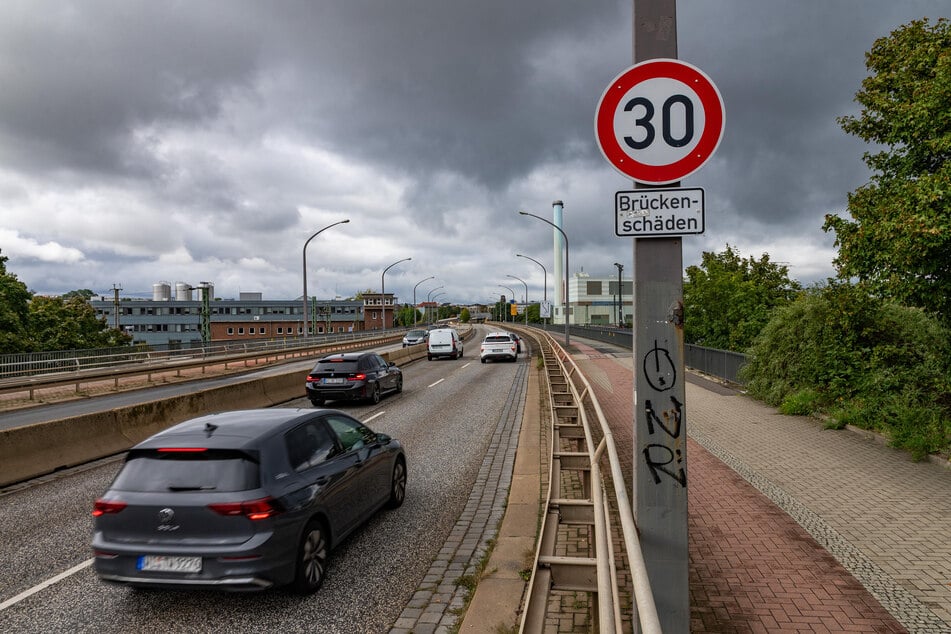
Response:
column 659, row 121
column 646, row 213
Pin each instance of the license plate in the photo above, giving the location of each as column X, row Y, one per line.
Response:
column 497, row 350
column 168, row 563
column 332, row 381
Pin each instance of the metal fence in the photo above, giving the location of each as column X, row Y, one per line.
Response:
column 724, row 364
column 37, row 363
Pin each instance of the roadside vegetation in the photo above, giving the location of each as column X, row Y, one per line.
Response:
column 37, row 323
column 871, row 347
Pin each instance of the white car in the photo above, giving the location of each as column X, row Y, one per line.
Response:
column 499, row 345
column 444, row 342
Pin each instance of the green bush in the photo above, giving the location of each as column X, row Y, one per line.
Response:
column 839, row 351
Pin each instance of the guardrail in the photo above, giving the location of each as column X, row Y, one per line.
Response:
column 573, row 451
column 111, row 367
column 36, row 363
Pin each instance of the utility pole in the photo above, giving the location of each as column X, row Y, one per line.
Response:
column 660, row 426
column 115, row 305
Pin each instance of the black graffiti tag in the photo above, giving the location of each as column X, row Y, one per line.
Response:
column 664, row 420
column 658, row 457
column 659, row 369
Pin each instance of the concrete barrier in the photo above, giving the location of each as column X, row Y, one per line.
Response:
column 35, row 450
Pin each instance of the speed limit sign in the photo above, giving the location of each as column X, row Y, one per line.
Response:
column 659, row 121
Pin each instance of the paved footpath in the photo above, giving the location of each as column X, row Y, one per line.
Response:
column 795, row 528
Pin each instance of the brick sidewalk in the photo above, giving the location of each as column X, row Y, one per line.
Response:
column 754, row 566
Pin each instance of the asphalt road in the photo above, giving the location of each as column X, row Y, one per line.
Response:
column 444, row 417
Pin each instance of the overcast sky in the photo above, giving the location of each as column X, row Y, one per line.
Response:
column 205, row 141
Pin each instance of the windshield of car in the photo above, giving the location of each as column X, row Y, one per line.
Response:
column 416, row 333
column 211, row 470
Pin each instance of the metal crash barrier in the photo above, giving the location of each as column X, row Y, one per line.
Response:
column 576, row 500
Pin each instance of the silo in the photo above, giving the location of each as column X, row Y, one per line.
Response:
column 183, row 292
column 161, row 292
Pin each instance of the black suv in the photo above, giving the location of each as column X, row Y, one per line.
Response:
column 352, row 376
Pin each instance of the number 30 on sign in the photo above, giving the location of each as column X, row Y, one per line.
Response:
column 659, row 121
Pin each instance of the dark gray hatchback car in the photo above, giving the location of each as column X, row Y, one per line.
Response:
column 244, row 500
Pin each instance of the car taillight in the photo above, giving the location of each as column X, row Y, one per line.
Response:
column 253, row 509
column 312, row 379
column 107, row 507
column 357, row 377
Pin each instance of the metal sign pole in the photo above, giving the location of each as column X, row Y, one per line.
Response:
column 660, row 431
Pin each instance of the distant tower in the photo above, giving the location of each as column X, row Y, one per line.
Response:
column 558, row 243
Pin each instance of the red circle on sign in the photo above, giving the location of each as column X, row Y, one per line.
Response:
column 712, row 132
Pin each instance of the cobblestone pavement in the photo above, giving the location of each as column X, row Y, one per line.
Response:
column 794, row 528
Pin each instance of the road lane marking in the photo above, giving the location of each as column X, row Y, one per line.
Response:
column 28, row 593
column 436, row 383
column 374, row 416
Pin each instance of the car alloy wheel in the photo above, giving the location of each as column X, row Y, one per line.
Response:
column 397, row 486
column 375, row 393
column 311, row 559
column 399, row 385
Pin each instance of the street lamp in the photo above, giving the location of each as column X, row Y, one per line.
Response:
column 620, row 296
column 305, row 267
column 429, row 295
column 544, row 273
column 383, row 288
column 512, row 296
column 525, row 308
column 567, row 315
column 436, row 315
column 431, row 277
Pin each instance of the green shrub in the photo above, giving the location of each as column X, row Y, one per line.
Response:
column 876, row 365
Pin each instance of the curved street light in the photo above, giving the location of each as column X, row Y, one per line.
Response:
column 544, row 273
column 436, row 309
column 565, row 236
column 512, row 296
column 431, row 277
column 306, row 302
column 429, row 296
column 525, row 309
column 383, row 288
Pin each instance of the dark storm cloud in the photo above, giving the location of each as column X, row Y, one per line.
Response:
column 225, row 130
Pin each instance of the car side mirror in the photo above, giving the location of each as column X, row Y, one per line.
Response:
column 383, row 439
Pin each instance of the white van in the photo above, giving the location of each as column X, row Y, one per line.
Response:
column 444, row 342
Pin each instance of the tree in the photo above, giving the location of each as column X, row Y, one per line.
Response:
column 728, row 299
column 14, row 310
column 898, row 242
column 465, row 316
column 56, row 323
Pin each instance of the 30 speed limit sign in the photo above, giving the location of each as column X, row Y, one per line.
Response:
column 659, row 121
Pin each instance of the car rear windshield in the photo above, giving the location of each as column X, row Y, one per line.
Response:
column 336, row 366
column 212, row 470
column 497, row 339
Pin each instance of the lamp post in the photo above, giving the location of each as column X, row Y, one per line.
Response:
column 429, row 295
column 620, row 295
column 305, row 267
column 431, row 277
column 544, row 285
column 525, row 213
column 383, row 288
column 525, row 309
column 512, row 296
column 436, row 316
